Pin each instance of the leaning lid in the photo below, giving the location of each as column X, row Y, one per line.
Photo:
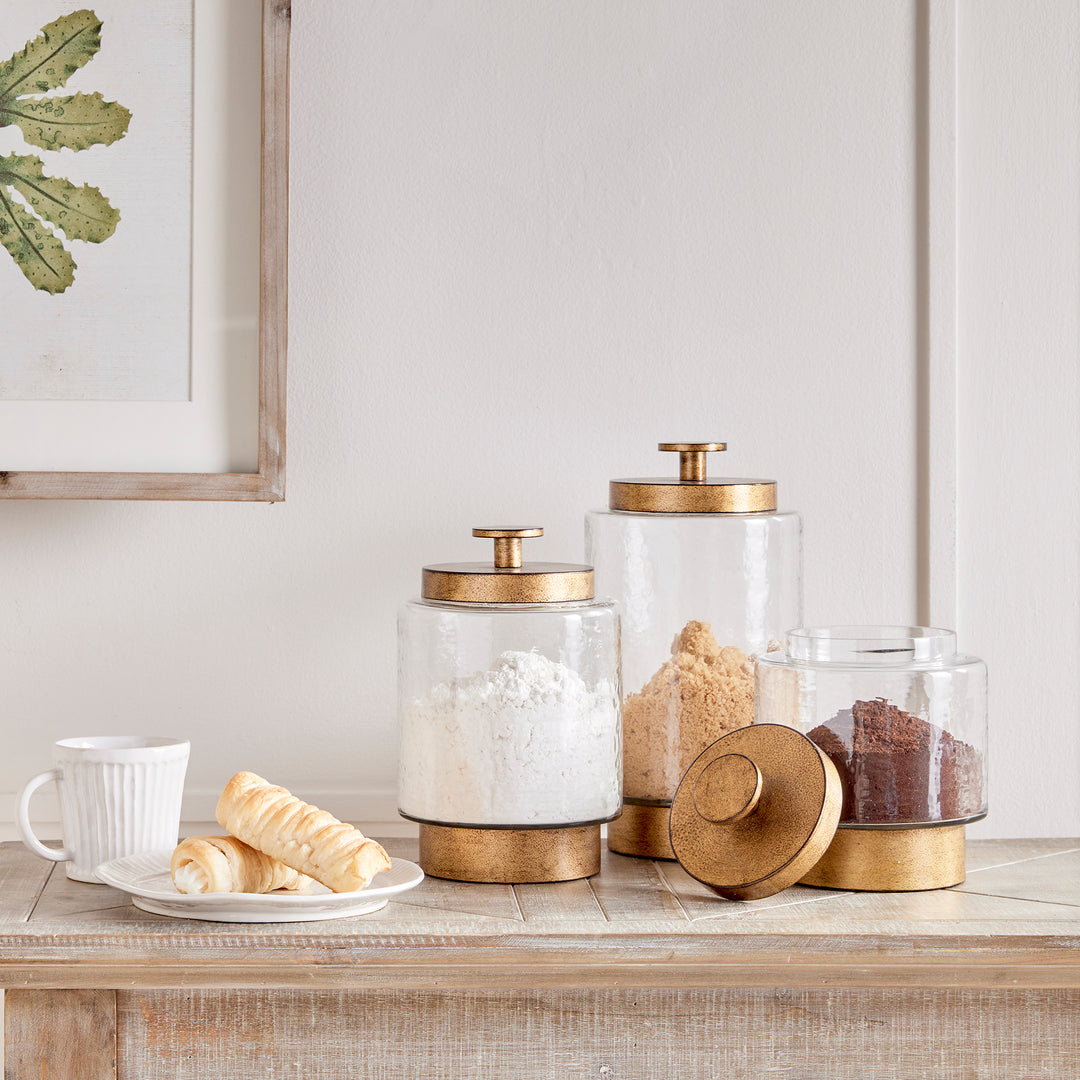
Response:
column 692, row 492
column 507, row 580
column 755, row 811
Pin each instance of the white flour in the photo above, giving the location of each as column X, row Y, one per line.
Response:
column 525, row 743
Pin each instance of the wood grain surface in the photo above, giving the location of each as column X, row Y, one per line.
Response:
column 59, row 1035
column 614, row 1034
column 274, row 252
column 642, row 923
column 640, row 971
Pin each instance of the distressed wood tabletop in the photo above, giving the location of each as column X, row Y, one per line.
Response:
column 640, row 943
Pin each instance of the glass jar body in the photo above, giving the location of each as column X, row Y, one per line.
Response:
column 899, row 712
column 700, row 595
column 509, row 714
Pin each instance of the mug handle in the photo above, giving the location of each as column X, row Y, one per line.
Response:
column 22, row 819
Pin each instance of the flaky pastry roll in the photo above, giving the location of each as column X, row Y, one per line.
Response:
column 302, row 836
column 217, row 864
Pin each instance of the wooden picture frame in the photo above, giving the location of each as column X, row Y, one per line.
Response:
column 267, row 484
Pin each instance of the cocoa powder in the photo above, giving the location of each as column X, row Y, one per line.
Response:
column 896, row 767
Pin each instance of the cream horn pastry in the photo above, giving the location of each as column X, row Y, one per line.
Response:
column 219, row 864
column 302, row 836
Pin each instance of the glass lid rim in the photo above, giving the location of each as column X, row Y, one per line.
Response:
column 871, row 643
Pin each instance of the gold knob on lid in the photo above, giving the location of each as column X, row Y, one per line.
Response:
column 693, row 492
column 692, row 457
column 507, row 579
column 507, row 543
column 728, row 789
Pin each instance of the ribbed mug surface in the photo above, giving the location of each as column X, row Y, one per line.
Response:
column 119, row 796
column 115, row 808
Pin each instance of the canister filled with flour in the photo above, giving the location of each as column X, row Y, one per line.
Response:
column 508, row 687
column 707, row 573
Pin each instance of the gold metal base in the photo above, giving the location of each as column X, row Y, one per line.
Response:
column 891, row 860
column 510, row 856
column 642, row 831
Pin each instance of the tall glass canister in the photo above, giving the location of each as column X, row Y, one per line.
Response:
column 509, row 717
column 707, row 574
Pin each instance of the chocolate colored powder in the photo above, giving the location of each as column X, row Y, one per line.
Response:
column 896, row 767
column 704, row 691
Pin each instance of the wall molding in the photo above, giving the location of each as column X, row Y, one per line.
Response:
column 937, row 316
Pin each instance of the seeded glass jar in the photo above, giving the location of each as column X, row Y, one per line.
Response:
column 707, row 574
column 509, row 717
column 902, row 715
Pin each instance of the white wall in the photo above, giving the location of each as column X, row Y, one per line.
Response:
column 528, row 242
column 1019, row 388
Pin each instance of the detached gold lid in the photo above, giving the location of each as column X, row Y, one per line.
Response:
column 755, row 811
column 693, row 492
column 507, row 580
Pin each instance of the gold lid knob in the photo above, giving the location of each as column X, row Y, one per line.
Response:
column 692, row 457
column 506, row 579
column 727, row 789
column 507, row 543
column 693, row 492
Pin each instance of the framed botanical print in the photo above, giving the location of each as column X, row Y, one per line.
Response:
column 143, row 249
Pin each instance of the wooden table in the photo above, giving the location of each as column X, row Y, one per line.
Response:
column 639, row 972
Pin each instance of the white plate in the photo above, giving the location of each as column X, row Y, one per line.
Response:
column 148, row 880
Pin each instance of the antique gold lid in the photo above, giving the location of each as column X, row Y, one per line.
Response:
column 693, row 492
column 507, row 580
column 755, row 811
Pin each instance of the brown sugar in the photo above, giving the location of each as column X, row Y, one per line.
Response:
column 704, row 691
column 896, row 767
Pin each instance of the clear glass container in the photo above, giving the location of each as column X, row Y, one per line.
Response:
column 707, row 574
column 509, row 713
column 509, row 718
column 900, row 713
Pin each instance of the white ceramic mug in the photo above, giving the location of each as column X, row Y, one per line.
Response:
column 119, row 795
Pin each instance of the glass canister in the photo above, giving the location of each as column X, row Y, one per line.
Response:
column 508, row 679
column 902, row 715
column 707, row 575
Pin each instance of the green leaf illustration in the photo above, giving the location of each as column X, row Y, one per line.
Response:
column 82, row 212
column 75, row 122
column 46, row 64
column 37, row 251
column 48, row 61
